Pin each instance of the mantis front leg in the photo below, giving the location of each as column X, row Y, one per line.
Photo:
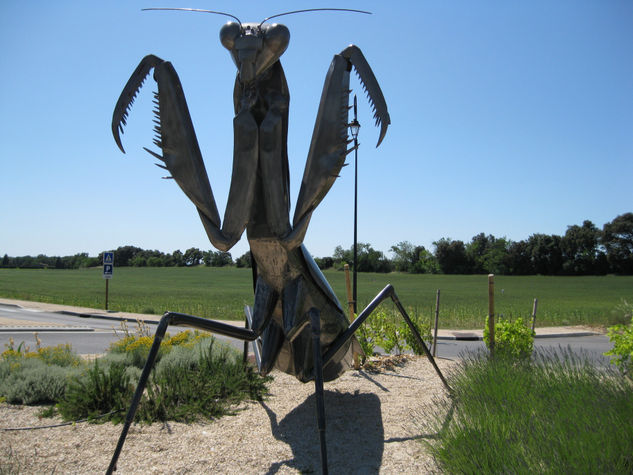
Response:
column 243, row 181
column 273, row 165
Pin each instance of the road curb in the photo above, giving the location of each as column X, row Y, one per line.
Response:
column 44, row 329
column 459, row 336
column 474, row 337
column 106, row 317
column 154, row 320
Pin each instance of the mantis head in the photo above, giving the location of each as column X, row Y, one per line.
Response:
column 254, row 47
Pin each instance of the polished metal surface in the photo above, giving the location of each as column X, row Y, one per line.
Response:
column 287, row 281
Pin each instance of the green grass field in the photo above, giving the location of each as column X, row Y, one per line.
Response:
column 222, row 293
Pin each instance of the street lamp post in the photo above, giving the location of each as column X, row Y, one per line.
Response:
column 354, row 128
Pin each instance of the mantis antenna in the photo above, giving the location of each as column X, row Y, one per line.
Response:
column 315, row 10
column 198, row 10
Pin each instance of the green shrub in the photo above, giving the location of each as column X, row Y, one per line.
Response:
column 36, row 377
column 203, row 381
column 386, row 332
column 513, row 339
column 389, row 331
column 136, row 347
column 33, row 382
column 622, row 338
column 365, row 337
column 60, row 355
column 423, row 328
column 99, row 390
column 198, row 377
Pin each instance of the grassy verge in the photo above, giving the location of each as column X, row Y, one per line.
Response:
column 551, row 415
column 221, row 293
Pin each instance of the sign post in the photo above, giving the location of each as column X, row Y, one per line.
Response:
column 108, row 268
column 491, row 312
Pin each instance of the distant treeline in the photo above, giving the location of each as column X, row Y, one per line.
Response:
column 130, row 256
column 582, row 250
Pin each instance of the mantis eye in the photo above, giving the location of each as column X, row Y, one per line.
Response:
column 276, row 37
column 229, row 33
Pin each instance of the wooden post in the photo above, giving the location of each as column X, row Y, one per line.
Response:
column 491, row 312
column 106, row 302
column 437, row 317
column 350, row 300
column 350, row 306
column 534, row 314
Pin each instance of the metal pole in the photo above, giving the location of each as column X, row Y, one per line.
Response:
column 106, row 296
column 354, row 294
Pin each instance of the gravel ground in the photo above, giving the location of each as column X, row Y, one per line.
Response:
column 371, row 428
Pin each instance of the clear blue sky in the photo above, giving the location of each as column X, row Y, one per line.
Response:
column 509, row 118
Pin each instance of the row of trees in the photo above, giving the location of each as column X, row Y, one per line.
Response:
column 582, row 250
column 137, row 257
column 130, row 256
column 77, row 261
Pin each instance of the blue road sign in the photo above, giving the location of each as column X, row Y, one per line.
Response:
column 108, row 258
column 108, row 264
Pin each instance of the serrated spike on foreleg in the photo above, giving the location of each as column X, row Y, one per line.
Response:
column 161, row 166
column 155, row 155
column 167, row 177
column 129, row 94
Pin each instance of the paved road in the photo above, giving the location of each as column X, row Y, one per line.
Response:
column 87, row 335
column 93, row 335
column 593, row 346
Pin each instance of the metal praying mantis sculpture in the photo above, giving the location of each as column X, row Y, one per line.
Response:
column 296, row 323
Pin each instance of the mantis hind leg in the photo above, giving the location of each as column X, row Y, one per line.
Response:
column 259, row 319
column 171, row 318
column 315, row 325
column 321, row 360
column 387, row 292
